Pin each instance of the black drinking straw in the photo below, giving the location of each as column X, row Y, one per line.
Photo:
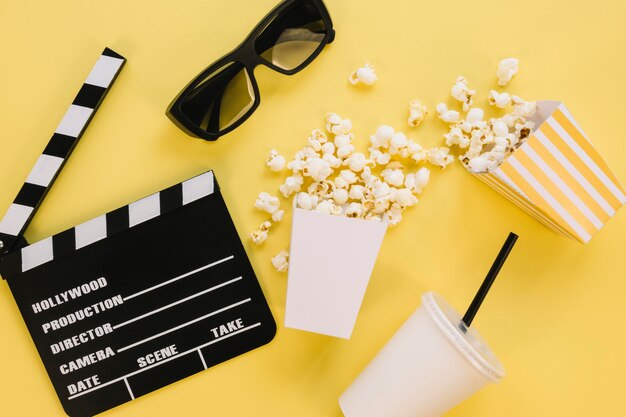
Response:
column 491, row 276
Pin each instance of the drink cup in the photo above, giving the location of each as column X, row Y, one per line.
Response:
column 430, row 365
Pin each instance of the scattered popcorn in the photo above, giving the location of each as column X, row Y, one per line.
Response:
column 416, row 182
column 487, row 143
column 397, row 143
column 328, row 207
column 317, row 168
column 260, row 235
column 336, row 125
column 500, row 100
column 341, row 196
column 440, row 157
column 364, row 75
column 477, row 164
column 356, row 192
column 267, row 202
column 356, row 162
column 379, row 157
column 461, row 92
column 329, row 176
column 275, row 161
column 393, row 174
column 475, row 115
column 354, row 210
column 507, row 68
column 277, row 216
column 306, row 201
column 457, row 137
column 448, row 116
column 280, row 261
column 382, row 137
column 523, row 108
column 417, row 113
column 291, row 185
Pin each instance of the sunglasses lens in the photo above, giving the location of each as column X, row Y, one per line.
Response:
column 220, row 99
column 293, row 36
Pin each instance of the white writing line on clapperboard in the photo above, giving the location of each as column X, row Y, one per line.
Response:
column 83, row 313
column 98, row 385
column 189, row 323
column 202, row 268
column 79, row 339
column 68, row 295
column 158, row 310
column 83, row 289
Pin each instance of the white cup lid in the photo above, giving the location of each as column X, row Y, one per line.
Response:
column 469, row 343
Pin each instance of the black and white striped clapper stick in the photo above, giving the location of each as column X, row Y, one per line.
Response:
column 65, row 137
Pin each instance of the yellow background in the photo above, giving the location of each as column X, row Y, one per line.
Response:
column 555, row 315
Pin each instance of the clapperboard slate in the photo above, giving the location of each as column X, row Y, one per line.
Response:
column 138, row 298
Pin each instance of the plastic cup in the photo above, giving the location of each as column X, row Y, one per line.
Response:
column 430, row 365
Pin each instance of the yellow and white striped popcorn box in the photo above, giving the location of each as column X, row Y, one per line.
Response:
column 558, row 177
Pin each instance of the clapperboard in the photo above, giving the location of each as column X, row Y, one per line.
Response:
column 135, row 299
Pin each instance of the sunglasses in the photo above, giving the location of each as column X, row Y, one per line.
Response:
column 226, row 93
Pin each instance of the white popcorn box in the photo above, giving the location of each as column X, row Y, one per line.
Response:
column 558, row 177
column 330, row 263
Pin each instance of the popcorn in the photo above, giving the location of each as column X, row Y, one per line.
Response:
column 322, row 189
column 457, row 137
column 348, row 176
column 461, row 92
column 379, row 157
column 280, row 261
column 343, row 140
column 417, row 153
column 500, row 100
column 523, row 108
column 354, row 210
column 477, row 164
column 306, row 201
column 507, row 68
column 332, row 160
column 486, row 143
column 317, row 168
column 417, row 181
column 397, row 143
column 364, row 75
column 275, row 161
column 297, row 165
column 393, row 175
column 329, row 176
column 266, row 202
column 448, row 116
column 327, row 207
column 291, row 185
column 382, row 137
column 417, row 113
column 394, row 215
column 341, row 196
column 328, row 148
column 336, row 125
column 356, row 162
column 440, row 157
column 260, row 235
column 344, row 152
column 357, row 192
column 475, row 115
column 277, row 216
column 403, row 197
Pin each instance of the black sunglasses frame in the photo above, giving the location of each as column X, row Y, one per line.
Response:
column 246, row 55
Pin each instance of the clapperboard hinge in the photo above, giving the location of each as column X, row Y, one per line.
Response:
column 59, row 148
